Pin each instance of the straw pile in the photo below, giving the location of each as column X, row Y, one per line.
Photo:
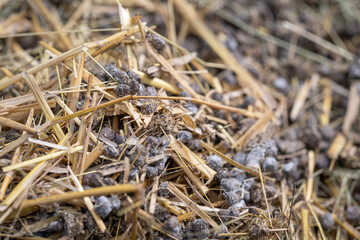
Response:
column 110, row 130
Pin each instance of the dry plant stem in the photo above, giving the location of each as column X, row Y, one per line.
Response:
column 158, row 83
column 335, row 149
column 154, row 196
column 326, row 106
column 26, row 181
column 172, row 71
column 76, row 119
column 244, row 77
column 88, row 202
column 94, row 155
column 39, row 6
column 316, row 220
column 300, row 100
column 305, row 223
column 79, row 165
column 254, row 129
column 111, row 41
column 264, row 192
column 310, row 181
column 353, row 106
column 14, row 160
column 30, row 80
column 114, row 189
column 15, row 144
column 42, row 158
column 348, row 227
column 102, row 46
column 75, row 85
column 122, row 99
column 198, row 163
column 87, row 138
column 15, row 125
column 318, row 40
column 71, row 53
column 190, row 174
column 193, row 206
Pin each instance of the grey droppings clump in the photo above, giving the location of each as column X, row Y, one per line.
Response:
column 173, row 226
column 240, row 157
column 194, row 145
column 192, row 108
column 120, row 139
column 134, row 87
column 199, row 229
column 270, row 147
column 111, row 152
column 238, row 174
column 161, row 213
column 103, row 206
column 327, row 221
column 133, row 76
column 215, row 162
column 153, row 141
column 269, row 164
column 255, row 156
column 120, row 76
column 156, row 42
column 232, row 197
column 163, row 191
column 184, row 136
column 122, row 90
column 353, row 215
column 230, row 184
column 108, row 133
column 249, row 184
column 151, row 171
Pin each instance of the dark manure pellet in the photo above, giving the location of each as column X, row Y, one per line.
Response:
column 161, row 213
column 215, row 162
column 173, row 226
column 199, row 229
column 238, row 174
column 120, row 139
column 108, row 133
column 327, row 221
column 184, row 136
column 270, row 164
column 103, row 207
column 151, row 172
column 255, row 156
column 230, row 184
column 194, row 145
column 111, row 151
column 73, row 224
column 123, row 90
column 133, row 76
column 163, row 191
column 353, row 215
column 156, row 42
column 270, row 147
column 232, row 197
column 241, row 158
column 192, row 108
column 134, row 87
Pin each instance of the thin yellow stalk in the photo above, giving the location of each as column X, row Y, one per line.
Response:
column 192, row 205
column 42, row 158
column 113, row 189
column 14, row 160
column 15, row 125
column 26, row 181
